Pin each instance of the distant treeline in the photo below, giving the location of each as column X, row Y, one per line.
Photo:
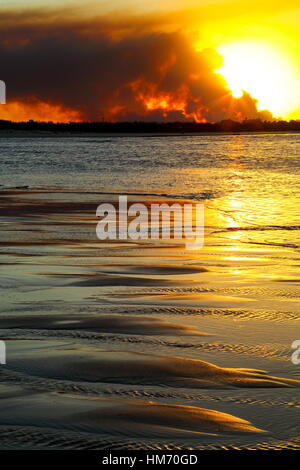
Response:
column 249, row 125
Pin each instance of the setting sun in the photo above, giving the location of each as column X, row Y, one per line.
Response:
column 263, row 72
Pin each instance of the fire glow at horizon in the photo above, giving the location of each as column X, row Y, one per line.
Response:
column 186, row 63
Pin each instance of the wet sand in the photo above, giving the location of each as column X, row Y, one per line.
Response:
column 142, row 344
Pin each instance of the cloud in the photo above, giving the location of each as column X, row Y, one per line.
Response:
column 111, row 68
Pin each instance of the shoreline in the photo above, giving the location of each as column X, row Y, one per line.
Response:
column 43, row 134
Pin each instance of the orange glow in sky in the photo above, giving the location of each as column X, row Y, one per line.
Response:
column 156, row 57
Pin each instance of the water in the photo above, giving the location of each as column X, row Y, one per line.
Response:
column 80, row 311
column 260, row 172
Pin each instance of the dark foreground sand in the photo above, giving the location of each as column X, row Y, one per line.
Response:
column 141, row 345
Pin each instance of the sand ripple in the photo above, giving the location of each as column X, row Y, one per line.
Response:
column 138, row 368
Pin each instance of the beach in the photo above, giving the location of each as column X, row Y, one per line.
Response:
column 144, row 344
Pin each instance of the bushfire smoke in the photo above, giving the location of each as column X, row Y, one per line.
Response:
column 100, row 69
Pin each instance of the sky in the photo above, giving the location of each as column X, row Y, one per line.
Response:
column 173, row 60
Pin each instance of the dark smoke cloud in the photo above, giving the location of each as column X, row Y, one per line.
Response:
column 104, row 71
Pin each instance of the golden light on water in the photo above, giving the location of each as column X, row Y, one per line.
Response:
column 262, row 71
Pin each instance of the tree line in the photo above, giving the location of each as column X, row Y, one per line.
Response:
column 248, row 125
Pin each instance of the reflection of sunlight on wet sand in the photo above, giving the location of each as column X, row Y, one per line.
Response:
column 238, row 210
column 233, row 205
column 242, row 258
column 244, row 207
